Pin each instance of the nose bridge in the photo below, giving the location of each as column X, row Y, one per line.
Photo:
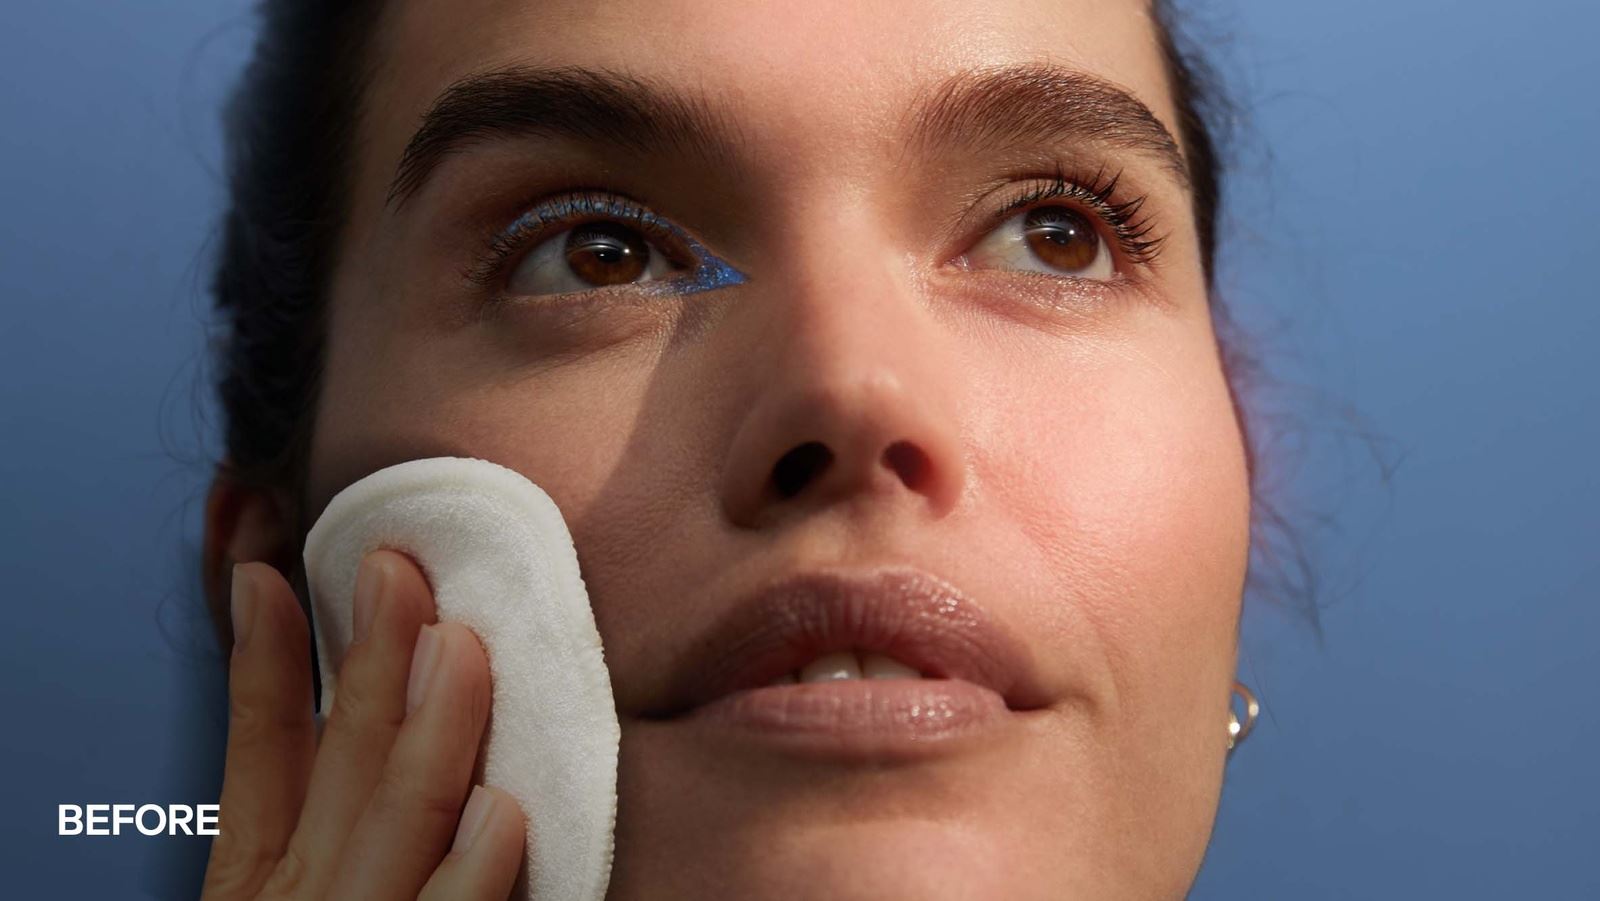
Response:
column 848, row 307
column 857, row 398
column 852, row 316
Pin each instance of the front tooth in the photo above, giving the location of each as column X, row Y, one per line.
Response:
column 880, row 666
column 838, row 665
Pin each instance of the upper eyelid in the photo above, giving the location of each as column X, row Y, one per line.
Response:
column 706, row 270
column 618, row 208
column 1097, row 195
column 546, row 218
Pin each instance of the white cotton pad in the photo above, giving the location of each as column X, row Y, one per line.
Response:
column 500, row 560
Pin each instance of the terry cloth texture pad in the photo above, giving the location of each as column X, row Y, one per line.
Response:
column 500, row 560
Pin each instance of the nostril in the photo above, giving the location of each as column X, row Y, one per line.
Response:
column 799, row 466
column 908, row 462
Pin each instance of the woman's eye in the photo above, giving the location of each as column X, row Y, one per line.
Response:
column 588, row 256
column 1057, row 240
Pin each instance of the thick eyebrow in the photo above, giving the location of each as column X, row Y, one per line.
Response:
column 591, row 105
column 1037, row 103
column 1040, row 104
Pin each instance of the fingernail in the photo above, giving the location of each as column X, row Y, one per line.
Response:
column 422, row 662
column 479, row 805
column 371, row 579
column 240, row 608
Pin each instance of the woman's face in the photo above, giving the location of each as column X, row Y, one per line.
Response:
column 1007, row 403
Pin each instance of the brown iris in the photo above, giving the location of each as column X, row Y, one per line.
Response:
column 1062, row 238
column 607, row 253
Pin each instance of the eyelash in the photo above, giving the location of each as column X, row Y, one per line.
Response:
column 561, row 213
column 1132, row 232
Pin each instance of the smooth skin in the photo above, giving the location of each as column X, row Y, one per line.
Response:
column 1077, row 466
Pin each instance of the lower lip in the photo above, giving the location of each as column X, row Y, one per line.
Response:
column 864, row 718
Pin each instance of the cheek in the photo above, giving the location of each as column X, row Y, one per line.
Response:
column 1124, row 469
column 569, row 428
column 580, row 433
column 609, row 442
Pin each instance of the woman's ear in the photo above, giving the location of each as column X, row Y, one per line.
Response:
column 243, row 525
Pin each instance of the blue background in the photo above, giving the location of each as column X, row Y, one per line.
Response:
column 1412, row 241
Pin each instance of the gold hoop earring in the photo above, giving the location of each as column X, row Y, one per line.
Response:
column 1237, row 731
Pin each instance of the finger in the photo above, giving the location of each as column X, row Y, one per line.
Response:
column 487, row 852
column 271, row 735
column 406, row 827
column 392, row 602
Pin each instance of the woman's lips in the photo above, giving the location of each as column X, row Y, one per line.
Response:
column 977, row 673
column 900, row 612
column 873, row 718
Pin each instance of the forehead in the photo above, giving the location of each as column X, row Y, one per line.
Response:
column 816, row 77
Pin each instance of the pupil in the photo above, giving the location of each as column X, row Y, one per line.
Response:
column 1062, row 238
column 606, row 253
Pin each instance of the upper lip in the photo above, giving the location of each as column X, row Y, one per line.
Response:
column 906, row 613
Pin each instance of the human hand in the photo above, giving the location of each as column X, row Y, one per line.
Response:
column 369, row 812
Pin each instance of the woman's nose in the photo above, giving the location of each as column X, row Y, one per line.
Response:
column 856, row 402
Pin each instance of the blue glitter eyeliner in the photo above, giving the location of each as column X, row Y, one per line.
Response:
column 712, row 273
column 708, row 272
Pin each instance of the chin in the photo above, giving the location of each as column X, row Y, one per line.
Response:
column 881, row 859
